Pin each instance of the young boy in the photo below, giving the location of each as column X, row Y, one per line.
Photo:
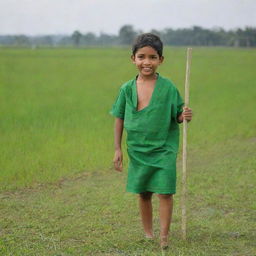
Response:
column 150, row 108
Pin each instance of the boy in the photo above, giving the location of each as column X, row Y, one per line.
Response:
column 150, row 108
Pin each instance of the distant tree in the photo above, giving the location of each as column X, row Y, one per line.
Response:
column 105, row 39
column 220, row 36
column 7, row 40
column 127, row 34
column 89, row 39
column 42, row 40
column 65, row 41
column 249, row 35
column 21, row 40
column 241, row 37
column 167, row 36
column 76, row 37
column 48, row 40
column 156, row 32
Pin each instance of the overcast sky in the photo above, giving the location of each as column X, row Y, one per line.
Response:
column 64, row 16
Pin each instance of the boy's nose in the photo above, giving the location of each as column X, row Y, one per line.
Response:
column 146, row 62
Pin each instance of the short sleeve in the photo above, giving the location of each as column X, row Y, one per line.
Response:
column 177, row 105
column 118, row 108
column 180, row 104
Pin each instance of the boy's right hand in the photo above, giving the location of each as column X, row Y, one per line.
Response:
column 118, row 160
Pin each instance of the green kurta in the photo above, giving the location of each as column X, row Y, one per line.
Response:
column 152, row 136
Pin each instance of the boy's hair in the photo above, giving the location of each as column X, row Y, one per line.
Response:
column 148, row 39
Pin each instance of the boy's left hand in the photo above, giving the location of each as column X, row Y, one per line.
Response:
column 187, row 114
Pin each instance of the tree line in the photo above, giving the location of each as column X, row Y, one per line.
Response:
column 194, row 36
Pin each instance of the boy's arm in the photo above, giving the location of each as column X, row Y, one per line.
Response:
column 118, row 132
column 186, row 114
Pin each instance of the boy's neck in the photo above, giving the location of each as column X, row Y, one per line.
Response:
column 147, row 78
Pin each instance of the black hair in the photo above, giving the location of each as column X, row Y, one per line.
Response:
column 148, row 39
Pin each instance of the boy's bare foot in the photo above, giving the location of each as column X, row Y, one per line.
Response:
column 149, row 237
column 164, row 242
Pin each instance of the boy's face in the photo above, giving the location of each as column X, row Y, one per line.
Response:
column 147, row 61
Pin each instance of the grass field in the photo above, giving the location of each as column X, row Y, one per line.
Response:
column 59, row 195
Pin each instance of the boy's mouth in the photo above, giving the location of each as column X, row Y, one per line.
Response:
column 147, row 69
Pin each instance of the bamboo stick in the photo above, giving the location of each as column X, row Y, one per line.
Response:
column 184, row 157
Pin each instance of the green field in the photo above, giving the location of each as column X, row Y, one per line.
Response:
column 59, row 193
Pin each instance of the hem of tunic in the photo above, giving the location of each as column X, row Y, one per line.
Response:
column 153, row 190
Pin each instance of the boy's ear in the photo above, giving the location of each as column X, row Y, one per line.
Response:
column 133, row 58
column 161, row 59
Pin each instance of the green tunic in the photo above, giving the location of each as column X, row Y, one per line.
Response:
column 152, row 136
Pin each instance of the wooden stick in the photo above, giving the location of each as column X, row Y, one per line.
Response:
column 184, row 157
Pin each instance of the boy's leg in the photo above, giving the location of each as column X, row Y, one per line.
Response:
column 165, row 213
column 145, row 204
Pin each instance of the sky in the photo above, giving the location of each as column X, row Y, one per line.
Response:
column 38, row 17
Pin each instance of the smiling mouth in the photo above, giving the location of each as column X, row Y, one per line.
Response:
column 147, row 69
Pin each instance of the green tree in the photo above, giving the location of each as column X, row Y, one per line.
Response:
column 76, row 38
column 89, row 39
column 127, row 34
column 21, row 40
